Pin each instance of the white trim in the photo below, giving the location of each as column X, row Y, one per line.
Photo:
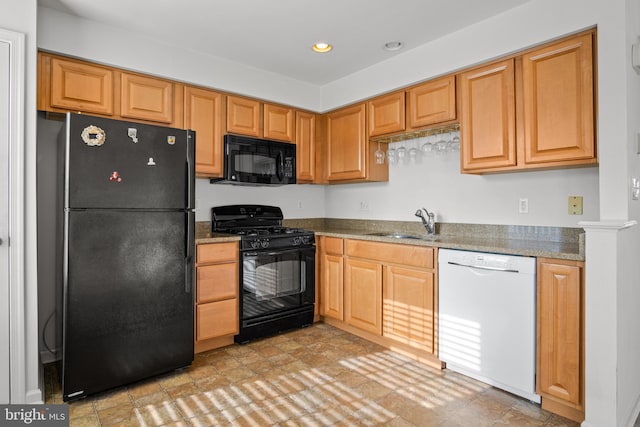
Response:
column 17, row 236
column 607, row 225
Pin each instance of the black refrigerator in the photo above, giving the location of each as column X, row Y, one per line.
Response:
column 128, row 238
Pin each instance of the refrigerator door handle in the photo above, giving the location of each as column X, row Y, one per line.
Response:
column 190, row 170
column 189, row 250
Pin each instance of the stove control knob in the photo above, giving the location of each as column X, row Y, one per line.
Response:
column 255, row 244
column 264, row 243
column 297, row 240
column 306, row 240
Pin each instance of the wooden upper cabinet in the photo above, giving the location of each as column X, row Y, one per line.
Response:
column 244, row 116
column 204, row 112
column 69, row 85
column 558, row 101
column 387, row 114
column 487, row 116
column 146, row 98
column 347, row 148
column 279, row 123
column 432, row 102
column 560, row 345
column 305, row 146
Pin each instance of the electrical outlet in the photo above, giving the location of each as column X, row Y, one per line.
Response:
column 575, row 205
column 523, row 206
column 365, row 206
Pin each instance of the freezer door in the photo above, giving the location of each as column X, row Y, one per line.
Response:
column 128, row 298
column 117, row 164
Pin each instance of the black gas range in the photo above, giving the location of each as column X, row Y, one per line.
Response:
column 277, row 269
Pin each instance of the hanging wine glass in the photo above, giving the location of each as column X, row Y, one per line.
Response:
column 391, row 154
column 455, row 142
column 379, row 155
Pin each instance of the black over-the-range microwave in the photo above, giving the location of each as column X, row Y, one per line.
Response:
column 253, row 161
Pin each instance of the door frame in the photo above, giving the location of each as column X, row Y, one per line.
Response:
column 16, row 124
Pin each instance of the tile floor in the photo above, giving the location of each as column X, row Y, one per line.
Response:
column 317, row 376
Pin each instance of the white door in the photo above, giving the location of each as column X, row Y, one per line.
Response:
column 5, row 61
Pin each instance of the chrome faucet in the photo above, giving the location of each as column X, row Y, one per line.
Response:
column 429, row 222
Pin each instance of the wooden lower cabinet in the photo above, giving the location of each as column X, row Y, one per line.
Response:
column 408, row 308
column 331, row 277
column 383, row 292
column 216, row 302
column 560, row 337
column 363, row 295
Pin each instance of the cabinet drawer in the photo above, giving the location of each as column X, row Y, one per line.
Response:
column 217, row 252
column 217, row 319
column 332, row 245
column 414, row 256
column 217, row 282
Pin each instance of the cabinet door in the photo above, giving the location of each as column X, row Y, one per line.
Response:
column 363, row 295
column 347, row 143
column 204, row 113
column 558, row 102
column 305, row 146
column 331, row 277
column 278, row 123
column 408, row 307
column 244, row 116
column 432, row 102
column 82, row 87
column 559, row 331
column 217, row 319
column 146, row 98
column 487, row 117
column 386, row 114
column 216, row 282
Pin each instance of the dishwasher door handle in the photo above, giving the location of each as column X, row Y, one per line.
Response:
column 482, row 267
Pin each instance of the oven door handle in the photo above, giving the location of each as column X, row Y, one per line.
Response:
column 284, row 251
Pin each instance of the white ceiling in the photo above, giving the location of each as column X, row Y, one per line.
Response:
column 276, row 35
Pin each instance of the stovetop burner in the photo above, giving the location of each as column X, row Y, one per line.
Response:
column 259, row 227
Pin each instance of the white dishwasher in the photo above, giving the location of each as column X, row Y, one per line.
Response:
column 487, row 314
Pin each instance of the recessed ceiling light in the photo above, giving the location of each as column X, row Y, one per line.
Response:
column 321, row 47
column 391, row 46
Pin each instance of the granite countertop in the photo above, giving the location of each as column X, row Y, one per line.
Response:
column 537, row 248
column 548, row 242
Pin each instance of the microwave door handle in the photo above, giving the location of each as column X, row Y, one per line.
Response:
column 279, row 166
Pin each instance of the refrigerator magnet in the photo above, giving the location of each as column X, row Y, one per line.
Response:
column 93, row 136
column 171, row 140
column 151, row 162
column 115, row 177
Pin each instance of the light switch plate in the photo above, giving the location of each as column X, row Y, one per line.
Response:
column 575, row 205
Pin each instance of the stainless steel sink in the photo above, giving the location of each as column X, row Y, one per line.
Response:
column 395, row 235
column 392, row 235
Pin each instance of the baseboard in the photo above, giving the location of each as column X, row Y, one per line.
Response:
column 34, row 397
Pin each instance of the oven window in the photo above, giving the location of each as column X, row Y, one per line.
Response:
column 254, row 164
column 272, row 276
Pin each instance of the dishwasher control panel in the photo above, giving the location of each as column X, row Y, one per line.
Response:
column 490, row 261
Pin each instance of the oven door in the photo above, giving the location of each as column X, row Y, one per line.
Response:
column 274, row 281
